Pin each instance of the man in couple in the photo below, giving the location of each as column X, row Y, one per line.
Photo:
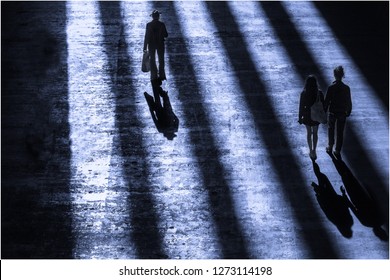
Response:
column 338, row 103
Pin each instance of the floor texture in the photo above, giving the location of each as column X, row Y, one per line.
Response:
column 87, row 173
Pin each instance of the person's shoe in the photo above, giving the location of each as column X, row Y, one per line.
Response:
column 163, row 93
column 313, row 155
column 163, row 77
column 156, row 82
column 150, row 101
column 337, row 154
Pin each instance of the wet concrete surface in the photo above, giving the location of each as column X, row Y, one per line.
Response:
column 86, row 174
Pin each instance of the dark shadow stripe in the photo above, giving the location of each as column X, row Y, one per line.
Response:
column 36, row 221
column 362, row 27
column 305, row 64
column 204, row 146
column 142, row 215
column 361, row 202
column 291, row 180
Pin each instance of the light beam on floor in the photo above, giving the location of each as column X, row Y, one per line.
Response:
column 97, row 208
column 282, row 83
column 250, row 175
column 277, row 72
column 187, row 228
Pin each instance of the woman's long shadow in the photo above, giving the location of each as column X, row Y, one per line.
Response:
column 163, row 116
column 361, row 203
column 334, row 206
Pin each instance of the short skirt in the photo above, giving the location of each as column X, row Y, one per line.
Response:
column 306, row 119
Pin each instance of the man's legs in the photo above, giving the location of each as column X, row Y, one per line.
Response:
column 340, row 133
column 331, row 128
column 153, row 66
column 161, row 63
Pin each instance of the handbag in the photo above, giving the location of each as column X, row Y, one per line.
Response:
column 145, row 62
column 317, row 112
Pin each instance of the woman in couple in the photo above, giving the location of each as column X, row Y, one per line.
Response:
column 308, row 97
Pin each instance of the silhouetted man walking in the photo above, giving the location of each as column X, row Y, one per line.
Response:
column 339, row 105
column 155, row 35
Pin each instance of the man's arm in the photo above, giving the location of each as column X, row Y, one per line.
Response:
column 146, row 38
column 165, row 32
column 328, row 98
column 349, row 105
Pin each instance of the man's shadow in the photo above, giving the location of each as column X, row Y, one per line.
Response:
column 361, row 203
column 163, row 116
column 334, row 206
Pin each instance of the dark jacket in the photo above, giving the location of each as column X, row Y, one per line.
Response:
column 338, row 99
column 155, row 34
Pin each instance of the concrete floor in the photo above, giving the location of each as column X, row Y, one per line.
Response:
column 86, row 174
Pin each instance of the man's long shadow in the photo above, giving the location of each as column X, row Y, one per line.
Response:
column 163, row 116
column 335, row 206
column 361, row 203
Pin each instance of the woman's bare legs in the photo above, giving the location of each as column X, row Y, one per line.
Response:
column 308, row 137
column 315, row 139
column 312, row 140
